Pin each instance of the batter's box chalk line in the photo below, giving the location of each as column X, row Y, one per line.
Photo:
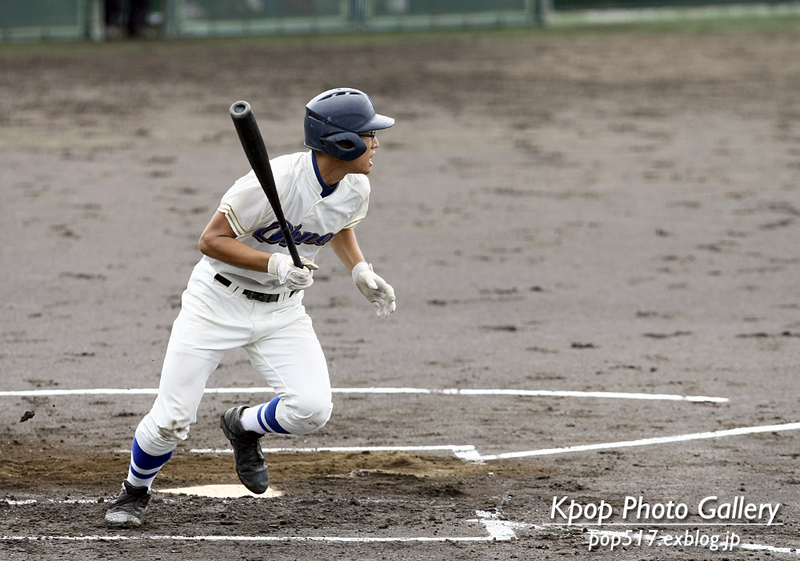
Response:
column 470, row 453
column 466, row 453
column 389, row 391
column 496, row 525
column 498, row 530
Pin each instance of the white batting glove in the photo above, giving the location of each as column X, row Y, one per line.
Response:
column 375, row 289
column 295, row 278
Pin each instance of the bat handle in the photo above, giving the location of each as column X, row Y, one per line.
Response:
column 287, row 235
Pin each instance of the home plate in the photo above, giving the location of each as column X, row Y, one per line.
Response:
column 222, row 492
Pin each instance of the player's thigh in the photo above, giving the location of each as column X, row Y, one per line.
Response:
column 183, row 381
column 211, row 319
column 210, row 322
column 292, row 362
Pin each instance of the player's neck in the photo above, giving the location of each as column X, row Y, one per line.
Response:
column 331, row 170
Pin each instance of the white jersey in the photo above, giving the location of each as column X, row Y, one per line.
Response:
column 312, row 219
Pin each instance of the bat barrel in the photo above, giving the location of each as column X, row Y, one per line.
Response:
column 250, row 136
column 240, row 110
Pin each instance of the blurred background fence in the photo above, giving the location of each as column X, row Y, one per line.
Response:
column 43, row 20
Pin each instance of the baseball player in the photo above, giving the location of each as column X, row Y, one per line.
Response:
column 246, row 292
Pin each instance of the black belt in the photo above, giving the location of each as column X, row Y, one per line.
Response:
column 252, row 294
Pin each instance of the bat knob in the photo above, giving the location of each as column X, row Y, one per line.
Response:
column 240, row 108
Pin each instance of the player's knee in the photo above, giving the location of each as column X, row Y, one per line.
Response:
column 158, row 438
column 174, row 433
column 307, row 415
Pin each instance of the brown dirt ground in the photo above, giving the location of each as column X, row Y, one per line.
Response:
column 602, row 212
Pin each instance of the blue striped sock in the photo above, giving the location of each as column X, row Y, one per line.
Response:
column 261, row 418
column 266, row 417
column 144, row 467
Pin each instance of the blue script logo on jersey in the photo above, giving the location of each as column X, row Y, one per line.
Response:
column 272, row 235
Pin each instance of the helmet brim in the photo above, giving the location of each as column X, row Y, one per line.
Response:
column 377, row 123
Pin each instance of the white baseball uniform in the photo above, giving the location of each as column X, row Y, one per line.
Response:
column 277, row 336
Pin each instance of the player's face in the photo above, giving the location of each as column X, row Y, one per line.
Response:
column 363, row 164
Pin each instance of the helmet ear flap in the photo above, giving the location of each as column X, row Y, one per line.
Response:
column 345, row 145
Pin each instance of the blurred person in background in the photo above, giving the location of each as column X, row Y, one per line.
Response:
column 129, row 16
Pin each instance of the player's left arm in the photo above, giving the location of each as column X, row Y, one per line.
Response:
column 374, row 288
column 345, row 246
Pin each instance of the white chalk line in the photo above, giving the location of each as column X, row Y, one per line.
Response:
column 23, row 502
column 52, row 392
column 248, row 539
column 359, row 449
column 499, row 530
column 759, row 547
column 645, row 441
column 470, row 454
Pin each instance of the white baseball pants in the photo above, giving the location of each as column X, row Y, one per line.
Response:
column 278, row 338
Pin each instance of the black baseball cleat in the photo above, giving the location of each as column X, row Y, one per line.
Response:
column 128, row 508
column 250, row 465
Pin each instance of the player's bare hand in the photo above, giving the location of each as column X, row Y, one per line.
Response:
column 374, row 289
column 295, row 278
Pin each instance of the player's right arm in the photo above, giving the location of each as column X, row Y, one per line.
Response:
column 218, row 241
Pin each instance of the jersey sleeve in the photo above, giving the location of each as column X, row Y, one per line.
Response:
column 244, row 204
column 359, row 215
column 360, row 187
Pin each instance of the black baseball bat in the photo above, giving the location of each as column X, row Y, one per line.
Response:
column 250, row 136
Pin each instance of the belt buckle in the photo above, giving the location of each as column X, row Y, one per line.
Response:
column 268, row 298
column 261, row 296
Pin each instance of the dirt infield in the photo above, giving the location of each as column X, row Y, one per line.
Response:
column 595, row 213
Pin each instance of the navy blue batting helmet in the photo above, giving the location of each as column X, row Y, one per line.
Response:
column 335, row 117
